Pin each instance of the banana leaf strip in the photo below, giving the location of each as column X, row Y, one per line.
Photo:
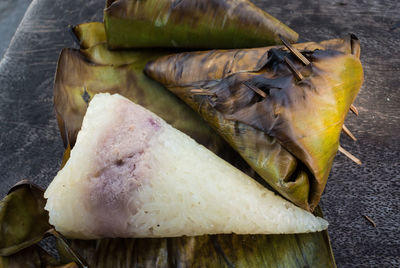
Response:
column 284, row 118
column 89, row 34
column 191, row 24
column 23, row 220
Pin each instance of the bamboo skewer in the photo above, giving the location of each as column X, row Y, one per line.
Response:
column 348, row 133
column 62, row 240
column 293, row 69
column 354, row 109
column 349, row 155
column 295, row 51
column 256, row 89
column 201, row 92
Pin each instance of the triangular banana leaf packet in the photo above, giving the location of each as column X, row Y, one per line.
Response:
column 281, row 108
column 191, row 24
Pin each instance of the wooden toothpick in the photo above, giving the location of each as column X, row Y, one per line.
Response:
column 293, row 69
column 295, row 51
column 354, row 109
column 348, row 133
column 201, row 92
column 256, row 90
column 349, row 155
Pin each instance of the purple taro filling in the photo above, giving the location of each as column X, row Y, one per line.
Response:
column 121, row 169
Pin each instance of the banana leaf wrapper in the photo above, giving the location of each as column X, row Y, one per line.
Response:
column 303, row 250
column 78, row 79
column 23, row 223
column 89, row 34
column 94, row 69
column 191, row 24
column 285, row 121
column 23, row 219
column 299, row 250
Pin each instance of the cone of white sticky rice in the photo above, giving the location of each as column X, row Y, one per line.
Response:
column 131, row 174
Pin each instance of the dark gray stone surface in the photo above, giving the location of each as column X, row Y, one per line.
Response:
column 31, row 147
column 11, row 13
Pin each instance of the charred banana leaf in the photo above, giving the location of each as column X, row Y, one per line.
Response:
column 281, row 109
column 191, row 24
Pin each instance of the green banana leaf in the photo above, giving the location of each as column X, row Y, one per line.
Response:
column 191, row 24
column 89, row 34
column 23, row 220
column 23, row 223
column 284, row 118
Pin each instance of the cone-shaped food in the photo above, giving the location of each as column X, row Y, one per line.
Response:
column 281, row 112
column 191, row 24
column 131, row 174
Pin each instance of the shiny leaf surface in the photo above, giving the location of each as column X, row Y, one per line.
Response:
column 191, row 24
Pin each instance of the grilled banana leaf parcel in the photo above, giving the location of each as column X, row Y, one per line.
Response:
column 281, row 109
column 191, row 24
